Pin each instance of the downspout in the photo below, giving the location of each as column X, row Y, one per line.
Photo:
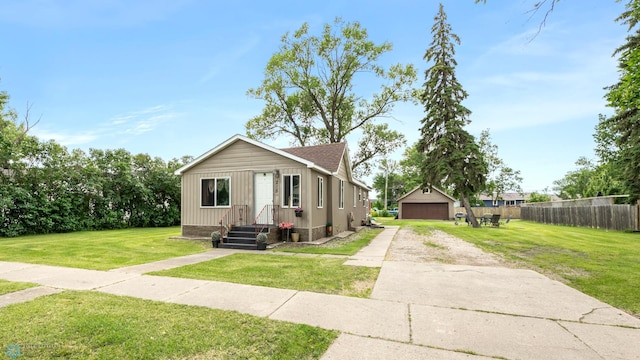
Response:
column 329, row 203
column 309, row 211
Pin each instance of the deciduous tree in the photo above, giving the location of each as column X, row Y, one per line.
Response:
column 310, row 93
column 500, row 177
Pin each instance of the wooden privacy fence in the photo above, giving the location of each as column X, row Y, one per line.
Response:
column 610, row 217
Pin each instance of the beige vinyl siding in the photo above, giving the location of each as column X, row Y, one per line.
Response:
column 319, row 214
column 192, row 211
column 244, row 156
column 340, row 215
column 240, row 161
column 434, row 196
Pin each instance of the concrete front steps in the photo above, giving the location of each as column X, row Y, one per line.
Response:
column 243, row 237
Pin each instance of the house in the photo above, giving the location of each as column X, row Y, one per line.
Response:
column 426, row 203
column 508, row 199
column 245, row 182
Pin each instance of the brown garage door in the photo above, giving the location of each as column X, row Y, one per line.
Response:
column 435, row 211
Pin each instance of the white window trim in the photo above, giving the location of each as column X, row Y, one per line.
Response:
column 355, row 202
column 290, row 204
column 320, row 193
column 215, row 181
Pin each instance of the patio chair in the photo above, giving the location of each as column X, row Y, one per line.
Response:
column 486, row 219
column 495, row 220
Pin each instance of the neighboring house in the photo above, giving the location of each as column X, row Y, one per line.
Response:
column 245, row 182
column 425, row 203
column 508, row 199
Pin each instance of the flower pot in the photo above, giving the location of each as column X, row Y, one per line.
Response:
column 295, row 237
column 262, row 246
column 298, row 214
column 329, row 230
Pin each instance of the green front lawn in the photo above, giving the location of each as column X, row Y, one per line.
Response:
column 7, row 287
column 286, row 272
column 99, row 250
column 603, row 264
column 89, row 325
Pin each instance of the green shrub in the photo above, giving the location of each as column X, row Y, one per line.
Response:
column 261, row 238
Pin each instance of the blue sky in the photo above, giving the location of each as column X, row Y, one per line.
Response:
column 169, row 77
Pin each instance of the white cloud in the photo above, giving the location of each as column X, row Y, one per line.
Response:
column 134, row 123
column 140, row 121
column 145, row 125
column 557, row 85
column 65, row 138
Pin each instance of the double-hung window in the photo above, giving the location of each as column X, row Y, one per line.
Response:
column 216, row 192
column 291, row 190
column 341, row 194
column 320, row 192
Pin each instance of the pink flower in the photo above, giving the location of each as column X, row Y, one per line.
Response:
column 286, row 225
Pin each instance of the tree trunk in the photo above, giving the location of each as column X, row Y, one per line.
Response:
column 386, row 184
column 470, row 214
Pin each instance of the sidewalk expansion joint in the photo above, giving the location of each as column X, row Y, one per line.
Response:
column 580, row 340
column 410, row 323
column 176, row 296
column 283, row 304
column 114, row 283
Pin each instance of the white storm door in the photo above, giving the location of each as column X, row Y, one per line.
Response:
column 263, row 195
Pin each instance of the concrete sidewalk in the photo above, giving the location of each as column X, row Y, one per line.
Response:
column 416, row 311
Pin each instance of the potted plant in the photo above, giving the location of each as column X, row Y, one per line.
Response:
column 215, row 238
column 329, row 229
column 295, row 237
column 261, row 241
column 285, row 227
column 298, row 211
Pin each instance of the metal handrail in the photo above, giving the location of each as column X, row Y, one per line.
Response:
column 235, row 215
column 275, row 216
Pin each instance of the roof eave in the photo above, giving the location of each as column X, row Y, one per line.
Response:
column 239, row 137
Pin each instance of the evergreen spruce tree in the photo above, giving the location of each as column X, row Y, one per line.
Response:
column 624, row 97
column 452, row 158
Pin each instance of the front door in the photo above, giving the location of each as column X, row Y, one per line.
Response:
column 263, row 195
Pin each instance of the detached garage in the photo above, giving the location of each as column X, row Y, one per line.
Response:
column 421, row 203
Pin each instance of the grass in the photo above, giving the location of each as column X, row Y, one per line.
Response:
column 99, row 250
column 285, row 272
column 89, row 325
column 347, row 246
column 7, row 287
column 603, row 264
